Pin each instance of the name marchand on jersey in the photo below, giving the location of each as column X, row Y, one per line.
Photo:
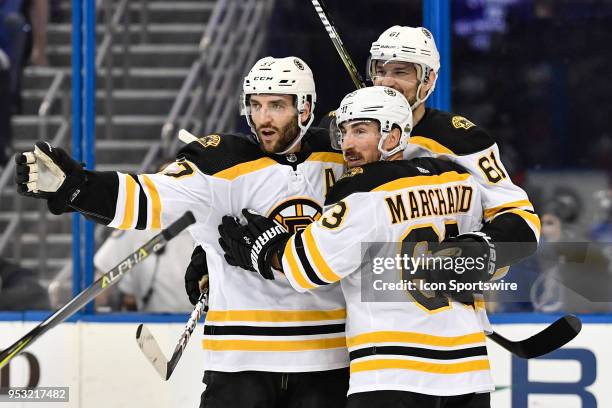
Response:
column 430, row 201
column 435, row 348
column 423, row 202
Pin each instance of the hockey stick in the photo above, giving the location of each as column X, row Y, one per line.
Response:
column 186, row 137
column 150, row 347
column 555, row 336
column 108, row 279
column 338, row 44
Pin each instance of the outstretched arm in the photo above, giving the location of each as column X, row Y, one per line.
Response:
column 119, row 200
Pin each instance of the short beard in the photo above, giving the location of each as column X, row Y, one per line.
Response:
column 287, row 135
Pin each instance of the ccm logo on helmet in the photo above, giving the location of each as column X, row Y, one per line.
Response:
column 298, row 64
column 263, row 78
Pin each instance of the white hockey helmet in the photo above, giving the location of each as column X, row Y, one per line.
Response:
column 284, row 76
column 381, row 104
column 407, row 44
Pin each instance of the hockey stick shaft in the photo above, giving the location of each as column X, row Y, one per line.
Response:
column 200, row 308
column 509, row 345
column 105, row 281
column 325, row 18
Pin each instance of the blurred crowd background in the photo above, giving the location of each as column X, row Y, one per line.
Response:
column 534, row 73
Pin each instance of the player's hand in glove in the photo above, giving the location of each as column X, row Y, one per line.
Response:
column 466, row 258
column 196, row 275
column 50, row 173
column 252, row 246
column 236, row 241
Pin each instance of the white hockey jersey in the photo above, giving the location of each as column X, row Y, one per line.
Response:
column 452, row 137
column 400, row 339
column 252, row 324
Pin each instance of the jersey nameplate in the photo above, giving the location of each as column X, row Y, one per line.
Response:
column 427, row 202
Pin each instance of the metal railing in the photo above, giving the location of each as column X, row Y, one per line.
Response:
column 12, row 234
column 205, row 101
column 115, row 21
column 232, row 40
column 116, row 18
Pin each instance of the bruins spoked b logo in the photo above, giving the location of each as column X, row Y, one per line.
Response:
column 210, row 140
column 296, row 213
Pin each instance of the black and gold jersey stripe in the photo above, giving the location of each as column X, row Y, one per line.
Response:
column 302, row 330
column 427, row 367
column 274, row 345
column 448, row 133
column 233, row 155
column 271, row 330
column 317, row 272
column 441, row 132
column 374, row 175
column 373, row 351
column 418, row 352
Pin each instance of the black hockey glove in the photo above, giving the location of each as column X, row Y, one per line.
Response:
column 236, row 240
column 466, row 258
column 254, row 245
column 49, row 173
column 196, row 275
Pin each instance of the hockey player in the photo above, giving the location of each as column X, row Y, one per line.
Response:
column 265, row 345
column 407, row 60
column 428, row 352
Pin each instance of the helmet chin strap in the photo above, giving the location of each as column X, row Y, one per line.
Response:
column 303, row 130
column 422, row 81
column 384, row 154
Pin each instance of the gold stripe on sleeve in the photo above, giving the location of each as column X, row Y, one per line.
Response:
column 514, row 204
column 322, row 267
column 128, row 212
column 532, row 218
column 156, row 203
column 294, row 269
